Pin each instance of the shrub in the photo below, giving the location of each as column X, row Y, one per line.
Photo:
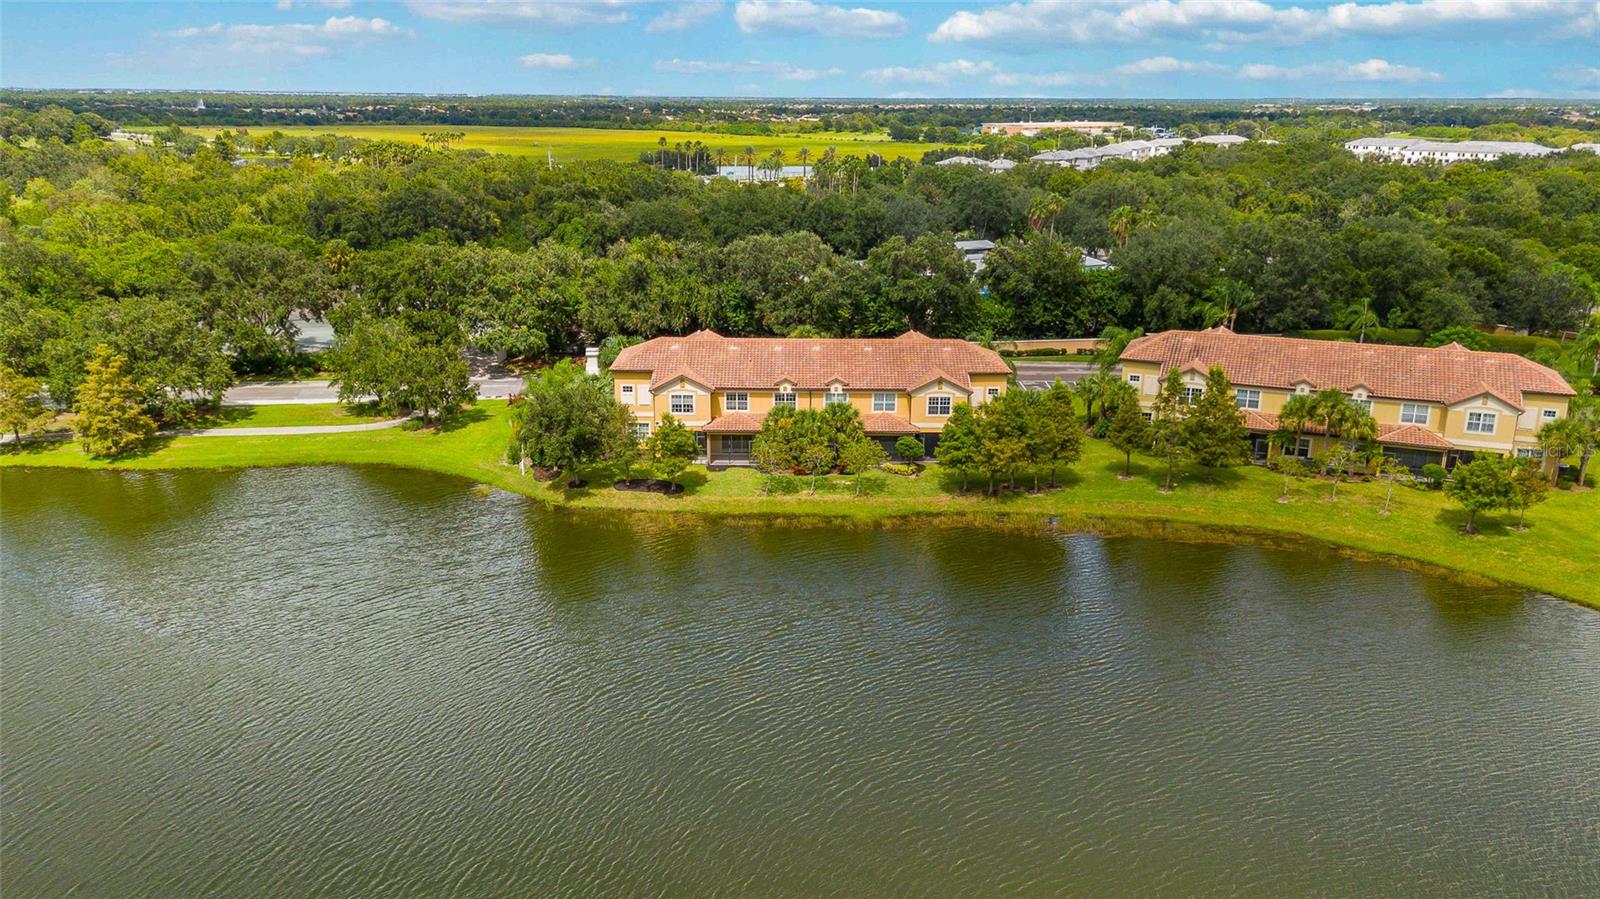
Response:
column 1433, row 475
column 909, row 448
column 908, row 470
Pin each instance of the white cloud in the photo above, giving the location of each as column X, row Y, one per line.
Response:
column 1036, row 22
column 1164, row 65
column 1371, row 70
column 552, row 61
column 1583, row 76
column 803, row 16
column 782, row 70
column 287, row 41
column 936, row 73
column 559, row 14
column 684, row 16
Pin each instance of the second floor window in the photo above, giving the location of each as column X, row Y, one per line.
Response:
column 783, row 398
column 1247, row 399
column 1191, row 395
column 736, row 402
column 993, row 392
column 836, row 399
column 1363, row 405
column 1413, row 414
column 682, row 404
column 1481, row 422
column 938, row 405
column 627, row 394
column 884, row 402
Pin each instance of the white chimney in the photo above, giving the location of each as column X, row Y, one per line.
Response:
column 591, row 360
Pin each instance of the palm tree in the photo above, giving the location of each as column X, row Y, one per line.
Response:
column 661, row 151
column 750, row 158
column 1121, row 222
column 777, row 158
column 1360, row 321
column 1588, row 344
column 803, row 154
column 1045, row 208
column 720, row 155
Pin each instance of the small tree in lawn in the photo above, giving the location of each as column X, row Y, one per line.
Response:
column 816, row 458
column 1387, row 468
column 1213, row 432
column 769, row 455
column 1283, row 440
column 1167, row 417
column 21, row 409
column 110, row 407
column 1063, row 436
column 1129, row 433
column 958, row 443
column 1560, row 439
column 1003, row 441
column 1529, row 487
column 1480, row 485
column 860, row 455
column 909, row 448
column 1333, row 461
column 672, row 447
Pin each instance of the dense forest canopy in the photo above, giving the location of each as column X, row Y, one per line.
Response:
column 192, row 261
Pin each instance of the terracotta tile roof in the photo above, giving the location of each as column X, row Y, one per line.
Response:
column 734, row 423
column 722, row 363
column 887, row 423
column 1446, row 374
column 1412, row 435
column 1393, row 435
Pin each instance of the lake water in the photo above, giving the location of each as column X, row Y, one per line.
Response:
column 357, row 682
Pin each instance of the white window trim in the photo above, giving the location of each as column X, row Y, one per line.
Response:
column 948, row 402
column 672, row 403
column 738, row 401
column 1408, row 413
column 628, row 395
column 1247, row 398
column 1492, row 418
column 1549, row 414
column 992, row 392
column 1191, row 395
column 786, row 398
column 835, row 398
column 1135, row 379
column 878, row 402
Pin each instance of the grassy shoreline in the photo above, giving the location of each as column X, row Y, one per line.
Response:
column 1556, row 555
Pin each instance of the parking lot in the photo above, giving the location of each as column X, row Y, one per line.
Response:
column 1040, row 375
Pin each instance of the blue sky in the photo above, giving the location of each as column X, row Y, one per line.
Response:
column 785, row 48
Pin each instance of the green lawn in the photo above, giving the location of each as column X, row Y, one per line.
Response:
column 1555, row 555
column 577, row 144
column 288, row 415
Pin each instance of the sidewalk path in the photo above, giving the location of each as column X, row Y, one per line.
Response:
column 287, row 393
column 287, row 430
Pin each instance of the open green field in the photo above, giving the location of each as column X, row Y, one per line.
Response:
column 1555, row 555
column 578, row 144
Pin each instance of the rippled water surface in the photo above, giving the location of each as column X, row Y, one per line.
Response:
column 362, row 682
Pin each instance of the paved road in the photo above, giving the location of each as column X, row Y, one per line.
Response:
column 284, row 393
column 1040, row 375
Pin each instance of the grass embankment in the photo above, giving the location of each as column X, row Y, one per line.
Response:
column 620, row 144
column 1555, row 555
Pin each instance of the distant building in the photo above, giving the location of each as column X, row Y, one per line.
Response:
column 1220, row 140
column 1085, row 158
column 994, row 165
column 977, row 252
column 1591, row 147
column 1032, row 129
column 1412, row 151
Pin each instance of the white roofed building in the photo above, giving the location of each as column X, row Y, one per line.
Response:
column 1413, row 152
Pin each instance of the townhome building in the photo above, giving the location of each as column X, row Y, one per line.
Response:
column 1440, row 404
column 723, row 387
column 1414, row 152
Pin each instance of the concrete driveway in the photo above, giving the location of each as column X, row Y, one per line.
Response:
column 1040, row 375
